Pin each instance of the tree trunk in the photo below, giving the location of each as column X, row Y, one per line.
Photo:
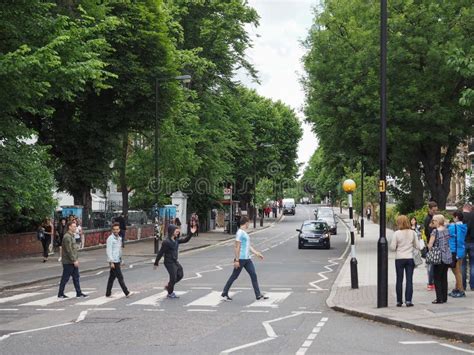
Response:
column 122, row 167
column 416, row 187
column 84, row 198
column 437, row 168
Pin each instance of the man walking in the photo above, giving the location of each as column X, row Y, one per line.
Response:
column 114, row 257
column 70, row 262
column 122, row 221
column 169, row 248
column 468, row 219
column 428, row 228
column 242, row 261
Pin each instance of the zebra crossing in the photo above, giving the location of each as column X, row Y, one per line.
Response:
column 191, row 299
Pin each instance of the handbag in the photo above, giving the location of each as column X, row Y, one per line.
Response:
column 433, row 257
column 417, row 254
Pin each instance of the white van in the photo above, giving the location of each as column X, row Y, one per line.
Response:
column 289, row 206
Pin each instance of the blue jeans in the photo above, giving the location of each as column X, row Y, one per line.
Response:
column 246, row 264
column 470, row 255
column 429, row 271
column 404, row 266
column 68, row 271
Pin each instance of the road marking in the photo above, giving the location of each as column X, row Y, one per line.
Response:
column 6, row 336
column 253, row 311
column 99, row 301
column 155, row 300
column 103, row 309
column 241, row 288
column 9, row 309
column 19, row 297
column 153, row 310
column 264, row 250
column 201, row 288
column 50, row 300
column 457, row 348
column 202, row 310
column 281, row 289
column 212, row 299
column 50, row 309
column 100, row 272
column 199, row 274
column 309, row 340
column 82, row 316
column 329, row 268
column 274, row 298
column 271, row 335
column 418, row 342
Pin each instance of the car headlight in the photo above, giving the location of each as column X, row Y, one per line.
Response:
column 327, row 235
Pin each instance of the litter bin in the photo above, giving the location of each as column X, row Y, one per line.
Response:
column 233, row 227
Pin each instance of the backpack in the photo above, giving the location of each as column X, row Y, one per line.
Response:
column 40, row 234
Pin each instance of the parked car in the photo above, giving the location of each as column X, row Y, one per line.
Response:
column 289, row 206
column 314, row 233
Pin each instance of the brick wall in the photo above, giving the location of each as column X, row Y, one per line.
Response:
column 26, row 244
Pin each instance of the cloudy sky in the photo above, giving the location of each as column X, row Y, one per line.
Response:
column 277, row 54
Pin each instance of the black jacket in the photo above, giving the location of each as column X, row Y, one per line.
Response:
column 426, row 225
column 469, row 221
column 169, row 249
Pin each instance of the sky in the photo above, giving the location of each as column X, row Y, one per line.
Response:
column 276, row 54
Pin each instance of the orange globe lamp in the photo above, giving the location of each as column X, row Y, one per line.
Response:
column 349, row 186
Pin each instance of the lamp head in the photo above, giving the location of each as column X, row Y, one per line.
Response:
column 349, row 186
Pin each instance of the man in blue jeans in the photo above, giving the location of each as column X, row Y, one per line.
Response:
column 469, row 220
column 242, row 261
column 70, row 262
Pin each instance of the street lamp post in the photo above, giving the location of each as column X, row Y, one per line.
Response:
column 382, row 245
column 349, row 187
column 362, row 200
column 183, row 79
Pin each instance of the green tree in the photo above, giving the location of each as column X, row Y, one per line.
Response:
column 426, row 122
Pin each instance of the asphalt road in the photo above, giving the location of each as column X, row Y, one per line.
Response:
column 294, row 320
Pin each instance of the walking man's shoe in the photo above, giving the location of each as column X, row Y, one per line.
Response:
column 131, row 293
column 83, row 295
column 262, row 297
column 172, row 296
column 63, row 296
column 226, row 298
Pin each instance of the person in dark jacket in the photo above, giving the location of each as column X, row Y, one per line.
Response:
column 468, row 220
column 169, row 249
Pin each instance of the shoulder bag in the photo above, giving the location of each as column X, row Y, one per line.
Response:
column 433, row 257
column 416, row 253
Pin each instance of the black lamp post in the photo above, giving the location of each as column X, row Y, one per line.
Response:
column 362, row 199
column 349, row 187
column 382, row 244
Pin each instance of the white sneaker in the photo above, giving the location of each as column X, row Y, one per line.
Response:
column 131, row 293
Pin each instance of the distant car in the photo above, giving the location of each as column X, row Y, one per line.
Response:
column 289, row 206
column 314, row 233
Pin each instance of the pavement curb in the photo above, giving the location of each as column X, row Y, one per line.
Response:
column 464, row 337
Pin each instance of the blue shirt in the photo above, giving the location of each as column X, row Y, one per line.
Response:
column 114, row 249
column 244, row 240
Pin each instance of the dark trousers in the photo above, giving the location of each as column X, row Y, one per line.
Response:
column 404, row 266
column 123, row 234
column 175, row 270
column 246, row 264
column 116, row 273
column 465, row 266
column 68, row 271
column 45, row 242
column 440, row 273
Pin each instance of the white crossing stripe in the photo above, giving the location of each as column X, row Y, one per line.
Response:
column 212, row 299
column 155, row 300
column 19, row 297
column 101, row 300
column 274, row 298
column 49, row 300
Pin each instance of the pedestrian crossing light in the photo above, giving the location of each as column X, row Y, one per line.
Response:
column 349, row 186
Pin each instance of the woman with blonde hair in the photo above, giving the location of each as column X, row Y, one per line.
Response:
column 404, row 240
column 440, row 239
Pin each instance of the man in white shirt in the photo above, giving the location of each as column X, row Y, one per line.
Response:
column 114, row 257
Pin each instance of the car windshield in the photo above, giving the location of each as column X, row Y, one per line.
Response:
column 325, row 212
column 314, row 227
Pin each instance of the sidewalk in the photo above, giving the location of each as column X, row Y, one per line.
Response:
column 25, row 271
column 454, row 319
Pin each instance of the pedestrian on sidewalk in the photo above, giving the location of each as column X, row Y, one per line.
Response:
column 114, row 258
column 468, row 220
column 79, row 234
column 457, row 245
column 440, row 238
column 194, row 223
column 242, row 261
column 415, row 226
column 60, row 231
column 428, row 228
column 70, row 261
column 47, row 230
column 404, row 241
column 368, row 213
column 169, row 248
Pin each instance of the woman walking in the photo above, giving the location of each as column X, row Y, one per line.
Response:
column 47, row 229
column 440, row 239
column 457, row 245
column 404, row 240
column 60, row 231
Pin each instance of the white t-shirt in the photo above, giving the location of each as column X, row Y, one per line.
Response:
column 77, row 235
